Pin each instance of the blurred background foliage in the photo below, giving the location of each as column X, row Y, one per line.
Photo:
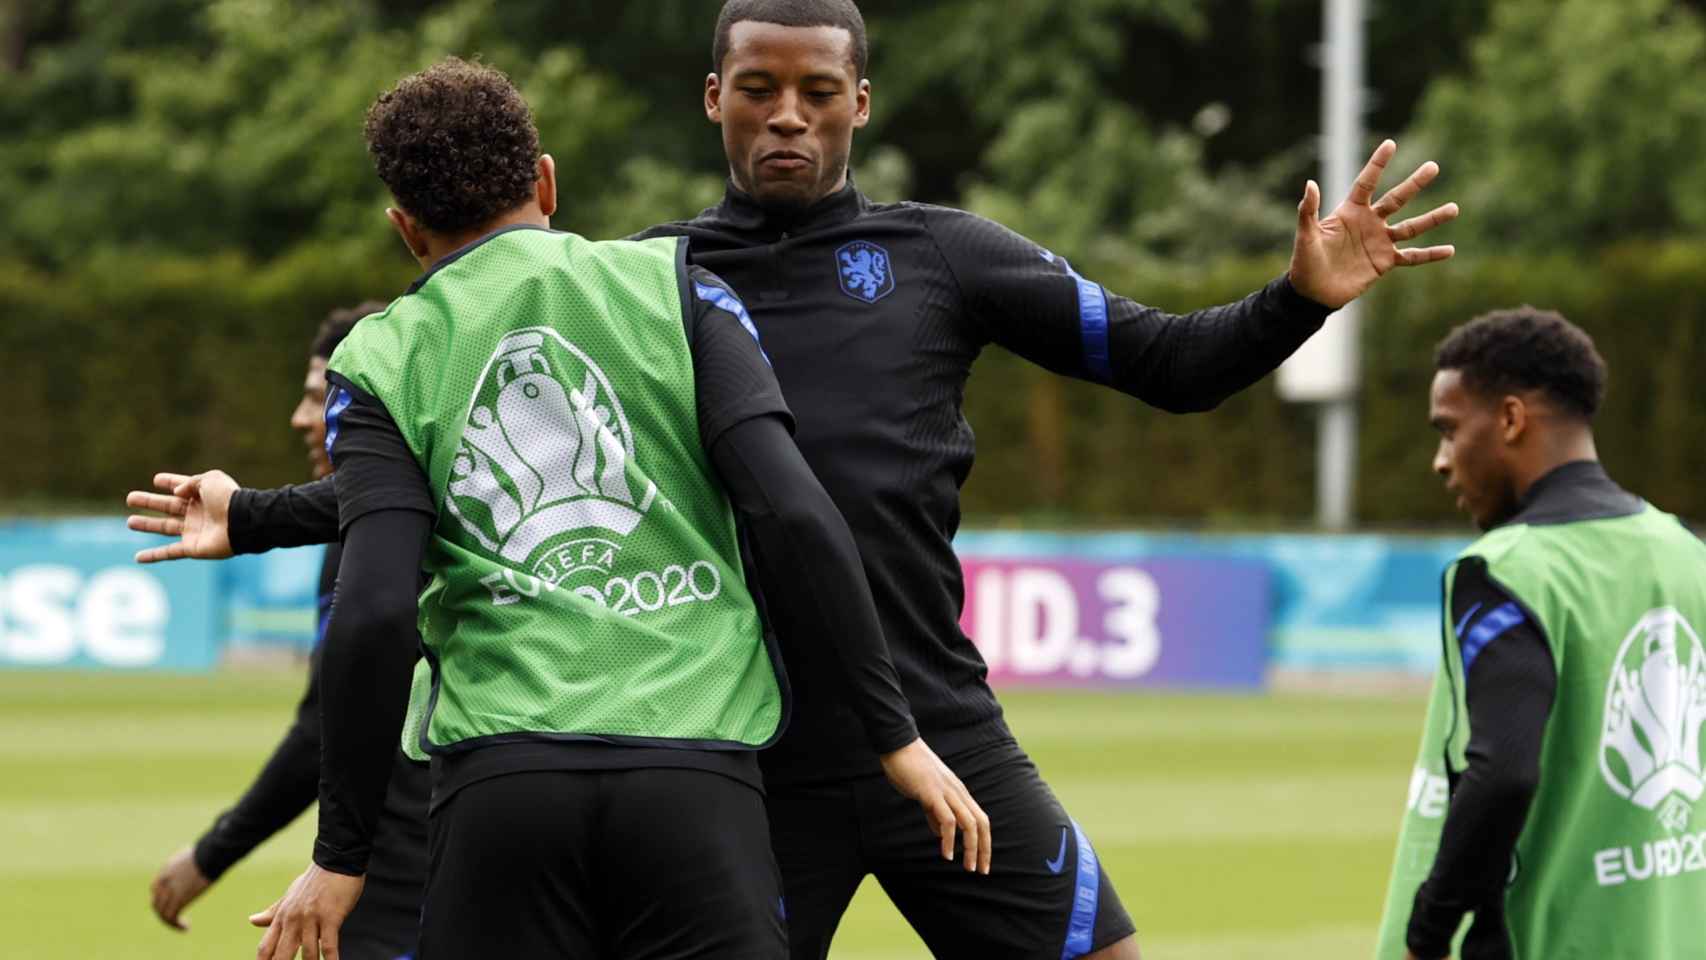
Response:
column 186, row 193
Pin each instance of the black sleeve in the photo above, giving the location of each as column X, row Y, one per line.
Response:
column 369, row 652
column 809, row 570
column 376, row 470
column 289, row 516
column 732, row 376
column 1511, row 682
column 1032, row 302
column 284, row 788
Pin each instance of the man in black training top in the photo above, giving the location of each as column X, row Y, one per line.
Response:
column 547, row 424
column 872, row 315
column 386, row 922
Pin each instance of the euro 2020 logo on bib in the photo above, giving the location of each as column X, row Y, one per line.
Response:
column 1655, row 710
column 541, row 476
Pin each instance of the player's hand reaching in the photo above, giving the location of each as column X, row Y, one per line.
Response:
column 920, row 775
column 197, row 512
column 308, row 916
column 1336, row 260
column 176, row 886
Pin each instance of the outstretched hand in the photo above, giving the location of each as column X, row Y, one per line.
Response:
column 920, row 775
column 197, row 512
column 1335, row 260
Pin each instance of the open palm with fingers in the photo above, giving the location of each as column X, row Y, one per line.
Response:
column 1336, row 259
column 196, row 511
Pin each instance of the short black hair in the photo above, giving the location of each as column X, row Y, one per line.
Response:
column 1508, row 351
column 455, row 143
column 337, row 326
column 793, row 13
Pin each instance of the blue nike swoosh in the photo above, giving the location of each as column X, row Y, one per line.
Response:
column 1059, row 860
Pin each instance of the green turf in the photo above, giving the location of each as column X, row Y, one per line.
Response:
column 1233, row 826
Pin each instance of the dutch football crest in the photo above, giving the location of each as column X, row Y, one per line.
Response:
column 866, row 271
column 541, row 476
column 1655, row 709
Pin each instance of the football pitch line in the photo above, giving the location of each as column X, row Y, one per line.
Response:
column 1232, row 826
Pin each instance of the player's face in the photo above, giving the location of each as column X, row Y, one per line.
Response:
column 1472, row 454
column 788, row 101
column 309, row 417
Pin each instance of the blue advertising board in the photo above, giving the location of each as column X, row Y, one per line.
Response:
column 1169, row 622
column 1112, row 609
column 71, row 596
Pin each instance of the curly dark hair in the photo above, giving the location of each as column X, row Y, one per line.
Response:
column 455, row 143
column 793, row 13
column 337, row 326
column 1528, row 349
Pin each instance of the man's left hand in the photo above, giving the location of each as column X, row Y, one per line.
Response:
column 307, row 918
column 1336, row 260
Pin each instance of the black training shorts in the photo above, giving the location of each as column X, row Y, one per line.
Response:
column 1046, row 897
column 649, row 864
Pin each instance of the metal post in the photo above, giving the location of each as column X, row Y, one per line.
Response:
column 1342, row 147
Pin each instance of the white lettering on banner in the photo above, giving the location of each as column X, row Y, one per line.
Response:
column 1430, row 793
column 1655, row 859
column 123, row 616
column 1136, row 603
column 1043, row 620
column 1028, row 619
column 119, row 616
column 990, row 608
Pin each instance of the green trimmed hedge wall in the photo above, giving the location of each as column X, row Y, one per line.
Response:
column 135, row 364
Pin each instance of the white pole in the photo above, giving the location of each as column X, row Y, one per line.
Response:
column 1342, row 143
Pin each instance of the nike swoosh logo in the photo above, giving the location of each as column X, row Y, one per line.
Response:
column 1059, row 861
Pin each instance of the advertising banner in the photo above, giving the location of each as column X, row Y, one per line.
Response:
column 71, row 596
column 1163, row 622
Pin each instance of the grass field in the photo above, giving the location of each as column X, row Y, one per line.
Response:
column 1234, row 827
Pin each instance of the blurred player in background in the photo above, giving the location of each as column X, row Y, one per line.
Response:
column 1558, row 794
column 588, row 417
column 385, row 924
column 873, row 315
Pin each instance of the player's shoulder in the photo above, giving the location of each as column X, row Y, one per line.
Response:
column 954, row 228
column 1499, row 545
column 708, row 219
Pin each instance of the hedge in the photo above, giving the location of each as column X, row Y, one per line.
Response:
column 131, row 364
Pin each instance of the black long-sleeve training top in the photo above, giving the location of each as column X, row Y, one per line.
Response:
column 800, row 554
column 872, row 315
column 1510, row 688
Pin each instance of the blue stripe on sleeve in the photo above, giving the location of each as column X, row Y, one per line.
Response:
column 1093, row 325
column 336, row 404
column 1081, row 928
column 1486, row 630
column 729, row 303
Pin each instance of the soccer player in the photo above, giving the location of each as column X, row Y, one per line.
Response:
column 1558, row 793
column 385, row 924
column 549, row 425
column 873, row 315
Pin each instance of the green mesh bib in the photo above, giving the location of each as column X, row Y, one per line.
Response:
column 585, row 573
column 1612, row 860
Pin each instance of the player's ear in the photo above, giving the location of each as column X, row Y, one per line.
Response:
column 713, row 98
column 862, row 104
column 545, row 190
column 414, row 237
column 1513, row 419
